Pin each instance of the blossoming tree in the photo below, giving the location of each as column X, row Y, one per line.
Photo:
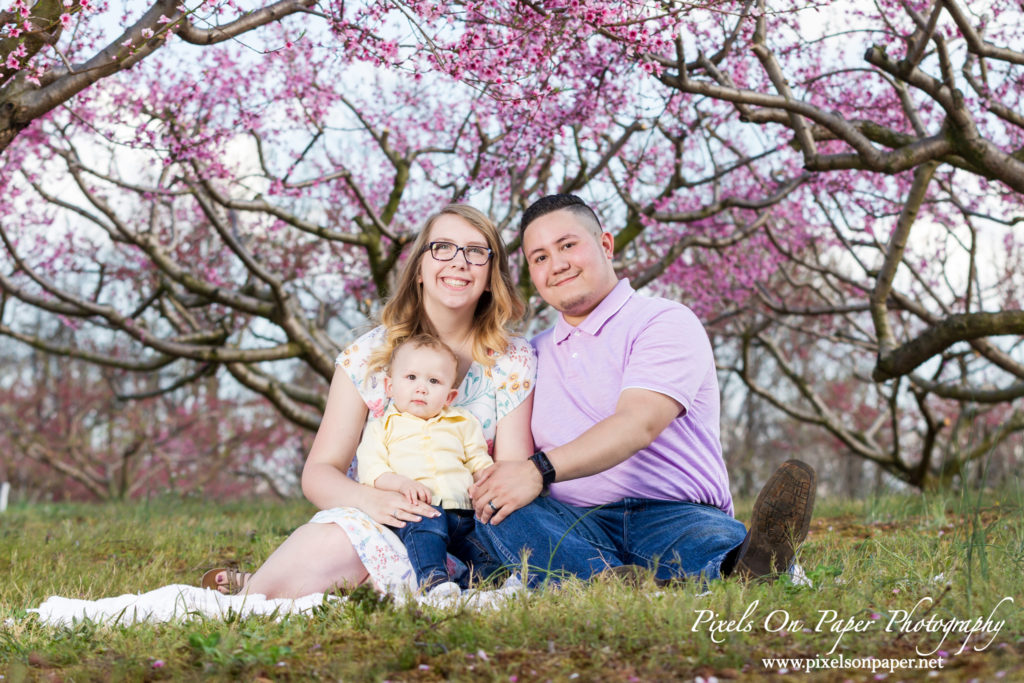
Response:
column 242, row 212
column 905, row 116
column 51, row 50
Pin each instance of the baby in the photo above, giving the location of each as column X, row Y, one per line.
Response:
column 427, row 450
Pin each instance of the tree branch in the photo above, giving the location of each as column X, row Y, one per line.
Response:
column 937, row 338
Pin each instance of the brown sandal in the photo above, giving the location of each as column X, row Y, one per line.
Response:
column 236, row 580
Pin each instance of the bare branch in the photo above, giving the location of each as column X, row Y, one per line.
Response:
column 276, row 395
column 980, row 47
column 894, row 256
column 963, row 327
column 969, row 394
column 267, row 15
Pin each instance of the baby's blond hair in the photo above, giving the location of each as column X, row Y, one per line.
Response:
column 428, row 341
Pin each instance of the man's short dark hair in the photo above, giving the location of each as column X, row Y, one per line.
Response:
column 557, row 202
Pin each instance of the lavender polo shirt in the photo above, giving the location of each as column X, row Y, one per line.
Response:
column 633, row 341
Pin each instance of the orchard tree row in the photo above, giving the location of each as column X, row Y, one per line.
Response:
column 198, row 189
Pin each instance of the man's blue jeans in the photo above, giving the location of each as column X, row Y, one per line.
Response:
column 429, row 541
column 673, row 538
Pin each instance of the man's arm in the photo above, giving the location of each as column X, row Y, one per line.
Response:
column 640, row 416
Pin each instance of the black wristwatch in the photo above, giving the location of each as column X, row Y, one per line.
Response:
column 547, row 470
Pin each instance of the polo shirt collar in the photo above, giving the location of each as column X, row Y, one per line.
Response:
column 593, row 323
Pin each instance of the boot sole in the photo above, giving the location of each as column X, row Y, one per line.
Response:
column 780, row 520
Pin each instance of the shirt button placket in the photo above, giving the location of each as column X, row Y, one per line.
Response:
column 572, row 347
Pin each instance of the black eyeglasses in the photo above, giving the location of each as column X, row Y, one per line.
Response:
column 446, row 251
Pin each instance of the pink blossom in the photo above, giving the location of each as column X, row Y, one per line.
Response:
column 65, row 20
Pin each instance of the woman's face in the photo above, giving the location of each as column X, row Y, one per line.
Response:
column 455, row 284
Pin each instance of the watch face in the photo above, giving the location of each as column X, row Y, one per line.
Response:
column 547, row 471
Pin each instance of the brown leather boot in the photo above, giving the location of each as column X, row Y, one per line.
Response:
column 779, row 522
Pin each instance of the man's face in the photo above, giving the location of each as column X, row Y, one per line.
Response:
column 570, row 264
column 420, row 381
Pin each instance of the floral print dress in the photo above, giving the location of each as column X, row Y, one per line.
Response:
column 488, row 393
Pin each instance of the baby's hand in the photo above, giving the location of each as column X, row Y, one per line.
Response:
column 414, row 490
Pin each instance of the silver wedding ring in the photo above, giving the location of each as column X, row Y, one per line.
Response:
column 396, row 513
column 490, row 504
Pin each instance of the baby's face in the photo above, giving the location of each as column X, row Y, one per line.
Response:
column 420, row 381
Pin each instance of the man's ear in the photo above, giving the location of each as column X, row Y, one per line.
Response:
column 608, row 244
column 451, row 396
column 387, row 386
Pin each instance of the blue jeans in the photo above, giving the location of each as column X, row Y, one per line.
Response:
column 673, row 538
column 429, row 541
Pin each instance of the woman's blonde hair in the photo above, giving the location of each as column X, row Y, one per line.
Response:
column 403, row 315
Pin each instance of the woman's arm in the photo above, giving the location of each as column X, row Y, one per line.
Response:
column 513, row 442
column 324, row 479
column 512, row 437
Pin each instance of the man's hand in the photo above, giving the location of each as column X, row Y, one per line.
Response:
column 503, row 488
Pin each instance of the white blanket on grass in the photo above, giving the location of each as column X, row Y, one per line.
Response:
column 179, row 602
column 168, row 603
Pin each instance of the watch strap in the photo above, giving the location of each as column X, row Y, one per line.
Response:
column 546, row 469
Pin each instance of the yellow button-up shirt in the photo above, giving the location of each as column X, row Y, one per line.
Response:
column 442, row 453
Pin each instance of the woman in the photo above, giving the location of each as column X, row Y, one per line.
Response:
column 456, row 286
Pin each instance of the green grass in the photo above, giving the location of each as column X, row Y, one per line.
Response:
column 868, row 560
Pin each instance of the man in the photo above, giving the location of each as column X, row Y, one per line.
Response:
column 626, row 422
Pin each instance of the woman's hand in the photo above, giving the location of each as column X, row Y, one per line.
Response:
column 393, row 508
